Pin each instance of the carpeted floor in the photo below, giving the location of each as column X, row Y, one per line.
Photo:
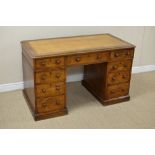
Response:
column 85, row 111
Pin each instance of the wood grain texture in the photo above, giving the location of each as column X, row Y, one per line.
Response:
column 50, row 77
column 29, row 84
column 46, row 105
column 85, row 59
column 52, row 63
column 72, row 45
column 47, row 90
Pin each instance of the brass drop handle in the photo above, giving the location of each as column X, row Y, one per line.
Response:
column 58, row 61
column 44, row 90
column 78, row 59
column 116, row 54
column 58, row 75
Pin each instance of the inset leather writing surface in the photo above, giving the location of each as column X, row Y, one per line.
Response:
column 66, row 46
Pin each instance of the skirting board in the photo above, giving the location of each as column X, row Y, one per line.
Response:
column 71, row 78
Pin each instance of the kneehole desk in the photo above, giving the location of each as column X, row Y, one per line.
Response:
column 107, row 64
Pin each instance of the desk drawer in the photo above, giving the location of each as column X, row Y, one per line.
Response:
column 46, row 90
column 88, row 58
column 119, row 90
column 122, row 54
column 121, row 65
column 45, row 105
column 118, row 77
column 50, row 77
column 55, row 62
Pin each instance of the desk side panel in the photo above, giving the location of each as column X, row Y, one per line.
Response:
column 95, row 78
column 28, row 78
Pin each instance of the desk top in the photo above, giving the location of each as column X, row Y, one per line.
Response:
column 74, row 45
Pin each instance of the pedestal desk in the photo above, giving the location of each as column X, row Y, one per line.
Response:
column 107, row 64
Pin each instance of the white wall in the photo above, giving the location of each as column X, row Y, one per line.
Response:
column 10, row 48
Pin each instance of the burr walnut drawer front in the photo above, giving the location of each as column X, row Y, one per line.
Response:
column 88, row 58
column 118, row 77
column 119, row 90
column 55, row 62
column 46, row 90
column 121, row 65
column 45, row 105
column 50, row 77
column 122, row 54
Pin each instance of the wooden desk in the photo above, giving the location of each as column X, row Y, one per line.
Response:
column 107, row 64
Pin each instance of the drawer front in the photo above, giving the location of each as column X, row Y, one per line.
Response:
column 58, row 76
column 122, row 54
column 50, row 77
column 42, row 77
column 56, row 62
column 118, row 77
column 119, row 90
column 46, row 90
column 45, row 105
column 88, row 58
column 121, row 65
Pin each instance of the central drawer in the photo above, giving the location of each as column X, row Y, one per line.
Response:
column 47, row 90
column 82, row 59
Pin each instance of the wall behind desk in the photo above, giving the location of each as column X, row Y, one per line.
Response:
column 10, row 48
